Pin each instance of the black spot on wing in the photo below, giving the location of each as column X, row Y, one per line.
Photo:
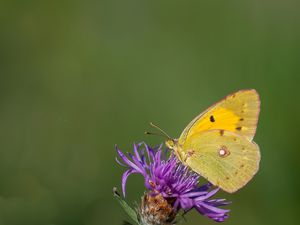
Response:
column 238, row 128
column 212, row 119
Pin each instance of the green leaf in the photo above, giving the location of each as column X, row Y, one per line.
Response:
column 130, row 212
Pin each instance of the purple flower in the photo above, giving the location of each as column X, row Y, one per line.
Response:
column 172, row 180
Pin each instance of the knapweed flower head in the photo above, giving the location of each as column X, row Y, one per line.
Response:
column 170, row 185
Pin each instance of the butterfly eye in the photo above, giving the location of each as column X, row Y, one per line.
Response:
column 170, row 144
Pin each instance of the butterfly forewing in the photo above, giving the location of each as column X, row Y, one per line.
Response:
column 226, row 159
column 237, row 113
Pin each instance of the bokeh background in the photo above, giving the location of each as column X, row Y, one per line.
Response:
column 77, row 77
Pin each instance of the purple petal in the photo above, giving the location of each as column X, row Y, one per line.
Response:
column 218, row 202
column 194, row 194
column 204, row 187
column 138, row 164
column 202, row 198
column 136, row 153
column 127, row 161
column 121, row 164
column 124, row 179
column 186, row 203
column 150, row 153
column 212, row 208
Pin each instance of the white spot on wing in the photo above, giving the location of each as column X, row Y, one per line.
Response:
column 222, row 152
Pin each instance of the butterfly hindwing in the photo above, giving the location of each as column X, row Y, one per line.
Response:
column 226, row 159
column 237, row 113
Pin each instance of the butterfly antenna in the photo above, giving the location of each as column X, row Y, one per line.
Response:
column 156, row 134
column 161, row 130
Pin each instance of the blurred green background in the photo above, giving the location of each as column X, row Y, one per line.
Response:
column 78, row 77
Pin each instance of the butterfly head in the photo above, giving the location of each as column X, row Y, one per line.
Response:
column 173, row 145
column 170, row 143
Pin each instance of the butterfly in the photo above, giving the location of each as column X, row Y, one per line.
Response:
column 218, row 143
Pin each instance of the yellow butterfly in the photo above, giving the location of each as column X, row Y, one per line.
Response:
column 218, row 144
